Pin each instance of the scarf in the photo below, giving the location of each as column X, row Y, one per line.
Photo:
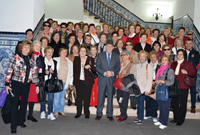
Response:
column 47, row 64
column 142, row 62
column 123, row 66
column 178, row 66
column 46, row 33
column 93, row 33
column 36, row 58
column 161, row 70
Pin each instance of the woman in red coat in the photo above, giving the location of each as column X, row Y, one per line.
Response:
column 181, row 68
column 132, row 35
column 33, row 97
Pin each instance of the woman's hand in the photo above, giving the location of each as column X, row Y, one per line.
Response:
column 7, row 89
column 146, row 93
column 51, row 71
column 37, row 90
column 184, row 71
column 159, row 81
column 87, row 67
column 47, row 72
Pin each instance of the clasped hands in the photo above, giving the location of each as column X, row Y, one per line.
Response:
column 108, row 73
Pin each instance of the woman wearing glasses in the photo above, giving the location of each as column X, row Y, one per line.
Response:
column 167, row 50
column 45, row 32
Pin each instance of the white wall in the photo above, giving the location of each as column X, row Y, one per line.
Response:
column 19, row 15
column 197, row 14
column 64, row 9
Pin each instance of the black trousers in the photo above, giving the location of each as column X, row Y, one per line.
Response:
column 18, row 113
column 179, row 106
column 83, row 95
column 124, row 103
column 151, row 107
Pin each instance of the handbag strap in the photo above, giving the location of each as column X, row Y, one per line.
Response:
column 147, row 71
column 167, row 73
column 129, row 68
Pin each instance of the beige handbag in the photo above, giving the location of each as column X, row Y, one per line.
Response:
column 70, row 94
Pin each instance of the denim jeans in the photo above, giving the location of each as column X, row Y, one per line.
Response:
column 140, row 107
column 50, row 103
column 59, row 100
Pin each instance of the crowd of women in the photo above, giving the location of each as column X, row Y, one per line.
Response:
column 70, row 52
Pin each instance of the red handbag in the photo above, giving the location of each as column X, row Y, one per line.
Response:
column 118, row 83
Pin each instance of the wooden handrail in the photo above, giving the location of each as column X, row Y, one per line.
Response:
column 112, row 10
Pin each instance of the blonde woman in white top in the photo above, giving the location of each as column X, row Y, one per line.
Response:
column 144, row 80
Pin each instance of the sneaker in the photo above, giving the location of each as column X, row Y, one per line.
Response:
column 155, row 120
column 51, row 117
column 157, row 123
column 162, row 126
column 43, row 115
column 136, row 121
column 146, row 118
column 139, row 122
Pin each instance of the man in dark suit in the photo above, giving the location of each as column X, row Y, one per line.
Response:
column 107, row 66
column 193, row 56
column 29, row 37
column 143, row 44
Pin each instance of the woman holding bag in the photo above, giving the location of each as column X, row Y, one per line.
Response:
column 82, row 81
column 50, row 70
column 65, row 73
column 181, row 68
column 164, row 76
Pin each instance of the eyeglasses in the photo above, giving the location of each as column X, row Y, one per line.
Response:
column 167, row 49
column 123, row 55
column 189, row 34
column 46, row 25
column 128, row 44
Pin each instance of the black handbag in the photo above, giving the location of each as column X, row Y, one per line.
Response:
column 53, row 85
column 173, row 90
column 41, row 94
column 93, row 74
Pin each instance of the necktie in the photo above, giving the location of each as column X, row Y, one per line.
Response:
column 108, row 59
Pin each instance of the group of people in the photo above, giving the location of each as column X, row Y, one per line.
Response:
column 72, row 52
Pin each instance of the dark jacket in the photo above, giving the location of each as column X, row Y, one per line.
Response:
column 56, row 47
column 77, row 68
column 187, row 65
column 193, row 57
column 66, row 37
column 116, row 50
column 138, row 47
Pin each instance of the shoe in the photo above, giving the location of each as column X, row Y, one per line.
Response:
column 179, row 124
column 118, row 116
column 87, row 117
column 31, row 118
column 63, row 114
column 139, row 122
column 136, row 121
column 42, row 115
column 172, row 121
column 77, row 116
column 22, row 125
column 121, row 119
column 56, row 115
column 51, row 117
column 157, row 123
column 98, row 118
column 146, row 118
column 155, row 120
column 110, row 118
column 193, row 110
column 69, row 103
column 13, row 131
column 162, row 126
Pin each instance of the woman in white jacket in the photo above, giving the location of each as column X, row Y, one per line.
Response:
column 65, row 73
column 144, row 80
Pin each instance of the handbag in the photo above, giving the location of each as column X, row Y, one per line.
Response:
column 93, row 74
column 190, row 82
column 173, row 90
column 3, row 95
column 162, row 92
column 70, row 94
column 41, row 94
column 53, row 85
column 118, row 81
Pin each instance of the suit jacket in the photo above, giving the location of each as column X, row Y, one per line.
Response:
column 77, row 71
column 193, row 57
column 138, row 47
column 102, row 67
column 187, row 65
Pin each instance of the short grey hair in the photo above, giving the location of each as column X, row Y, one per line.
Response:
column 78, row 31
column 37, row 41
column 127, row 53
